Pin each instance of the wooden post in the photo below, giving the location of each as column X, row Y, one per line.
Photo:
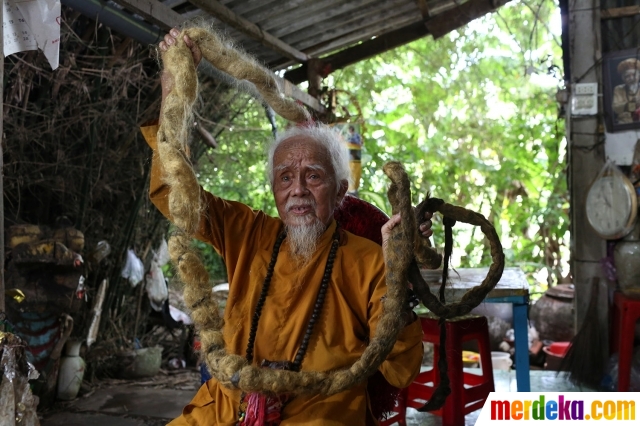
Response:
column 585, row 156
column 314, row 77
column 315, row 84
column 2, row 304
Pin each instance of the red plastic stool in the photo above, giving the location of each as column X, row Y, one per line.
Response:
column 468, row 391
column 626, row 312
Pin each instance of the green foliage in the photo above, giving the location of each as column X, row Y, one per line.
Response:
column 236, row 170
column 473, row 118
column 213, row 261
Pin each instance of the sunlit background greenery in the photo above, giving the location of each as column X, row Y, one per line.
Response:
column 473, row 118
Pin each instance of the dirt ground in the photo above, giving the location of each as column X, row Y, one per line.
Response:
column 145, row 402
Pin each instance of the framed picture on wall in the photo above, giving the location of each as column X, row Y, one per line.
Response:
column 621, row 90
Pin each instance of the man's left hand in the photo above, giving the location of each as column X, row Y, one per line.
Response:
column 426, row 232
column 424, row 227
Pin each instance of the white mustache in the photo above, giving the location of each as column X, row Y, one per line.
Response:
column 293, row 204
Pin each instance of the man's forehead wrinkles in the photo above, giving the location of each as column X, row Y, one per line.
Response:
column 296, row 166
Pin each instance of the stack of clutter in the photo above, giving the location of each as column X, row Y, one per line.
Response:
column 17, row 403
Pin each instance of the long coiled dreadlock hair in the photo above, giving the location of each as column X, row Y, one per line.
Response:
column 185, row 208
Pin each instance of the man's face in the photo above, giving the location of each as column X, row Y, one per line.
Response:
column 631, row 77
column 304, row 185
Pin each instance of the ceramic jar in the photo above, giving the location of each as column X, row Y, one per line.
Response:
column 626, row 257
column 72, row 368
column 552, row 314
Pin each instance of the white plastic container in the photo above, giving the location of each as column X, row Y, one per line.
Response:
column 501, row 360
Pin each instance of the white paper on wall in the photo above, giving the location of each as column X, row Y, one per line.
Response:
column 619, row 146
column 30, row 25
column 17, row 34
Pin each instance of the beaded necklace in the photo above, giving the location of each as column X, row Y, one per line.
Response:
column 296, row 364
column 256, row 408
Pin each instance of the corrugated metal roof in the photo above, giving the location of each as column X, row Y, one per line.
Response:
column 329, row 33
column 317, row 27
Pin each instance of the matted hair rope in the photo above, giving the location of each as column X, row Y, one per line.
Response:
column 233, row 371
column 404, row 245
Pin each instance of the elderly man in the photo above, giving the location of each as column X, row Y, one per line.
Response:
column 309, row 170
column 626, row 97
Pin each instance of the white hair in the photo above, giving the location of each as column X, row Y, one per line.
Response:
column 326, row 137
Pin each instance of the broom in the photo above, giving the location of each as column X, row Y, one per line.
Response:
column 586, row 358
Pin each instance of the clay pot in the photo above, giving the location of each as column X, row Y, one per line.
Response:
column 626, row 257
column 552, row 314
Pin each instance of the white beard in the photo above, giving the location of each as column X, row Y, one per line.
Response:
column 633, row 88
column 303, row 238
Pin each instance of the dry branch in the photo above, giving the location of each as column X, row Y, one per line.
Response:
column 73, row 149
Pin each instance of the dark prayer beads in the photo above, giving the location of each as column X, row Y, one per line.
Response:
column 297, row 363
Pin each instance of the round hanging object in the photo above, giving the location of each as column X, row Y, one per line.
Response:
column 612, row 206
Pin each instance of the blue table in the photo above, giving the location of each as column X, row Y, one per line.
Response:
column 512, row 288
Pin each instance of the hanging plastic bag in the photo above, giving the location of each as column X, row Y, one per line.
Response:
column 133, row 268
column 100, row 251
column 610, row 380
column 179, row 316
column 162, row 255
column 156, row 286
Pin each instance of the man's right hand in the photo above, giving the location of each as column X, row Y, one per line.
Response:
column 170, row 40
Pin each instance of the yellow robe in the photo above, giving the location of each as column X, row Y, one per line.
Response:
column 245, row 239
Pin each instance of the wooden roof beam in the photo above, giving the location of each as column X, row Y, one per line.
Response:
column 452, row 19
column 226, row 15
column 424, row 8
column 437, row 26
column 173, row 3
column 154, row 12
column 364, row 50
column 166, row 18
column 349, row 39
